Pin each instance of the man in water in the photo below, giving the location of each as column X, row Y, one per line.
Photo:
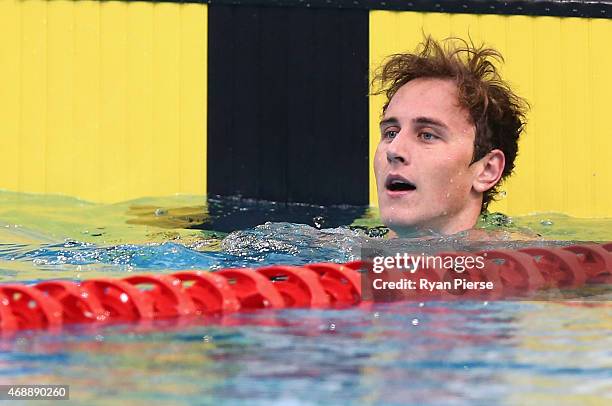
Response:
column 449, row 136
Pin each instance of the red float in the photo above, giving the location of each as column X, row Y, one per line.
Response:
column 211, row 293
column 166, row 295
column 121, row 300
column 78, row 304
column 342, row 284
column 560, row 268
column 517, row 271
column 50, row 304
column 253, row 290
column 31, row 308
column 8, row 323
column 595, row 260
column 299, row 287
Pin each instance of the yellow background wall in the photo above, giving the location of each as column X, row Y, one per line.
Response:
column 563, row 66
column 103, row 100
column 107, row 100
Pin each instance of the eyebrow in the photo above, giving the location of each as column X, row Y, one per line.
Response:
column 389, row 121
column 429, row 121
column 418, row 120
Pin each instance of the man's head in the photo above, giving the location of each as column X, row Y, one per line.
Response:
column 449, row 135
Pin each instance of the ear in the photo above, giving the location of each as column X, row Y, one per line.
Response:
column 490, row 169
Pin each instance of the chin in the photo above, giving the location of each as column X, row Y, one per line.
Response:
column 408, row 224
column 397, row 222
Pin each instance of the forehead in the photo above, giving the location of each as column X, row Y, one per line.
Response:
column 432, row 98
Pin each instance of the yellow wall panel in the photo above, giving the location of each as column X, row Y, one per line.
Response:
column 60, row 65
column 545, row 121
column 465, row 26
column 166, row 134
column 113, row 99
column 139, row 142
column 577, row 123
column 439, row 23
column 33, row 117
column 104, row 100
column 600, row 139
column 10, row 94
column 193, row 116
column 521, row 187
column 87, row 141
column 561, row 66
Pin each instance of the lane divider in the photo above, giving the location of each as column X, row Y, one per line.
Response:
column 51, row 304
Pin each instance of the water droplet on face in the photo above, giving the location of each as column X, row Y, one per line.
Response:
column 546, row 222
column 415, row 322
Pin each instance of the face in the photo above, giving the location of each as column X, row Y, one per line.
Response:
column 422, row 163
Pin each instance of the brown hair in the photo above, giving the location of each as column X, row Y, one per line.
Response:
column 497, row 113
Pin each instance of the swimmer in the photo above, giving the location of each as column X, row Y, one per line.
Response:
column 449, row 135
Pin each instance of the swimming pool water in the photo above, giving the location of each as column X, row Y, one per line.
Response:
column 401, row 353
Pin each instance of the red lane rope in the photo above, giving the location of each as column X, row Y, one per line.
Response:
column 51, row 304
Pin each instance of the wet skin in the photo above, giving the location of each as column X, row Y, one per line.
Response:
column 425, row 179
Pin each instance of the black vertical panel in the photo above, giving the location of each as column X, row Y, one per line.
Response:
column 245, row 85
column 354, row 154
column 302, row 140
column 220, row 119
column 549, row 8
column 328, row 124
column 288, row 112
column 273, row 120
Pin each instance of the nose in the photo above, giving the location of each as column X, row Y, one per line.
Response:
column 396, row 153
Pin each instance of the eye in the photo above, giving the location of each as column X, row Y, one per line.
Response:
column 427, row 136
column 390, row 134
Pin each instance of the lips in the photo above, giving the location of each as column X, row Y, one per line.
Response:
column 398, row 184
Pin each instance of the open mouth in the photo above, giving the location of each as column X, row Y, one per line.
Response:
column 396, row 183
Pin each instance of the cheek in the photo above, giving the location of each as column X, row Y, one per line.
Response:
column 451, row 177
column 378, row 161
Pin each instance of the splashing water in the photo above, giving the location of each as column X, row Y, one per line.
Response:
column 44, row 236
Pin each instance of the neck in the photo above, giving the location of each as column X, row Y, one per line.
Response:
column 443, row 225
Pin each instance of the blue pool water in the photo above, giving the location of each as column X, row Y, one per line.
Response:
column 402, row 353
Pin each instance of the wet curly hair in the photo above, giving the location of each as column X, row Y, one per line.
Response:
column 498, row 114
